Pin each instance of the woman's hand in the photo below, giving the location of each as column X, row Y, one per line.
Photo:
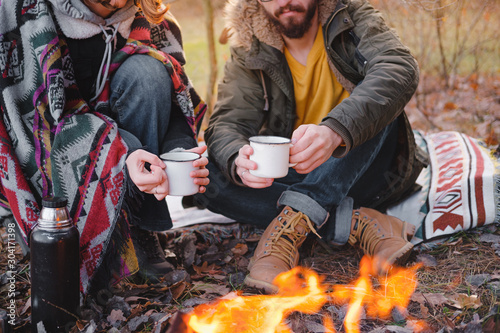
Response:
column 153, row 182
column 200, row 175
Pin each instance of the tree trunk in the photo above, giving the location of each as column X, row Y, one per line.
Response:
column 439, row 14
column 209, row 21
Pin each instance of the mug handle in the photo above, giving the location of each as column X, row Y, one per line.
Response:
column 291, row 165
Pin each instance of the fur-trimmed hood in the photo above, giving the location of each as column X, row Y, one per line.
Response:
column 247, row 18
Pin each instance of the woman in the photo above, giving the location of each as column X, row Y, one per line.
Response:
column 92, row 93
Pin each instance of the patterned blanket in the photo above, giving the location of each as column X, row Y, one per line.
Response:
column 53, row 143
column 460, row 187
column 465, row 185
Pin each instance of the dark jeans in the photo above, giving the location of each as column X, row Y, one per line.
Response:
column 360, row 175
column 141, row 105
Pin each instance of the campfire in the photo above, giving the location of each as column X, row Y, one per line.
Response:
column 303, row 290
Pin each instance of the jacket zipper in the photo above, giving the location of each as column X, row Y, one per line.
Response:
column 359, row 57
column 348, row 76
column 355, row 38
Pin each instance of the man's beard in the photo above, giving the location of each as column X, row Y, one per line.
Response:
column 294, row 28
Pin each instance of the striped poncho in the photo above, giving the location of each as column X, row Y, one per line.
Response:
column 54, row 143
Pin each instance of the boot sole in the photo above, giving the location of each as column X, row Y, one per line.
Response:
column 268, row 288
column 403, row 255
column 399, row 259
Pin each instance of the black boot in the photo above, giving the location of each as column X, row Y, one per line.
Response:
column 152, row 262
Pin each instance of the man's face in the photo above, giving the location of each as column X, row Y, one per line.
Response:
column 292, row 18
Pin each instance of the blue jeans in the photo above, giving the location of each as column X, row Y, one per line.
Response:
column 141, row 104
column 360, row 175
column 141, row 99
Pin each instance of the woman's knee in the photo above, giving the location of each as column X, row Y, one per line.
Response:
column 141, row 70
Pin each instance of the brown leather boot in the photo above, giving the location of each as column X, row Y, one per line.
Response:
column 278, row 249
column 384, row 237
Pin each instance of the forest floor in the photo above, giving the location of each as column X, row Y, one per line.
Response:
column 458, row 282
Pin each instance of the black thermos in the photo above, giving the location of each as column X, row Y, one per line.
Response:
column 55, row 277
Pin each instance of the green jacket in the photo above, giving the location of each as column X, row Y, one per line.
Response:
column 256, row 94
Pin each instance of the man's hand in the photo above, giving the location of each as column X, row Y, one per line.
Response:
column 312, row 146
column 243, row 165
column 152, row 182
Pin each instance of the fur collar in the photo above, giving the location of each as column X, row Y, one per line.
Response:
column 246, row 18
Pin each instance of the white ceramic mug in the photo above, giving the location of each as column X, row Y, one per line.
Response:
column 179, row 166
column 272, row 155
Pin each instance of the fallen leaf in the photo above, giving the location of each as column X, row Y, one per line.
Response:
column 134, row 323
column 178, row 290
column 489, row 238
column 150, row 312
column 206, row 269
column 450, row 106
column 116, row 315
column 26, row 306
column 81, row 324
column 424, row 311
column 431, row 298
column 419, row 326
column 240, row 249
column 462, row 301
column 133, row 299
column 478, row 279
column 231, row 295
column 210, row 288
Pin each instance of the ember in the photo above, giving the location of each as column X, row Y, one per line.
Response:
column 302, row 290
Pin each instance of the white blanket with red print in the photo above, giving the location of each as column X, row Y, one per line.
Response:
column 460, row 188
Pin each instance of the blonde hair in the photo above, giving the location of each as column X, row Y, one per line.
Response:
column 152, row 10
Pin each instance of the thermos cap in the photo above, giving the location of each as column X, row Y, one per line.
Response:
column 54, row 202
column 54, row 214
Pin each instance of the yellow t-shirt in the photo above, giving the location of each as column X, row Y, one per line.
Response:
column 317, row 90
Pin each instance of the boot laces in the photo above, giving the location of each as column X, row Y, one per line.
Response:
column 285, row 241
column 366, row 233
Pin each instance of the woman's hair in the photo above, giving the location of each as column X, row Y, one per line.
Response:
column 152, row 10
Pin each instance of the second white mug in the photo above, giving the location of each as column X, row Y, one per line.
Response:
column 272, row 154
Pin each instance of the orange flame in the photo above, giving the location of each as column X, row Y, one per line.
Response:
column 301, row 289
column 394, row 290
column 262, row 313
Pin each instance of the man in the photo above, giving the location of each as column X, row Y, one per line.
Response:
column 92, row 92
column 334, row 78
